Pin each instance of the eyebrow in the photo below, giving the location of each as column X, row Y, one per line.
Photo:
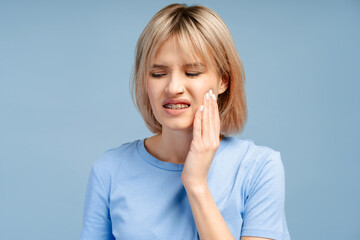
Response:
column 185, row 65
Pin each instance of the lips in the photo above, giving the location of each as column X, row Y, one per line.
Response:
column 176, row 101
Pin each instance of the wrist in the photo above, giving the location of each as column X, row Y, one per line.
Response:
column 195, row 187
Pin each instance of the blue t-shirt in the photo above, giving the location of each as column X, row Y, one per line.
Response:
column 132, row 195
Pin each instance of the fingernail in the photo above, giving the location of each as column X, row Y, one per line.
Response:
column 210, row 92
column 201, row 108
column 214, row 97
column 207, row 96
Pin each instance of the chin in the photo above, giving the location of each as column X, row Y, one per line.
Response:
column 182, row 122
column 177, row 125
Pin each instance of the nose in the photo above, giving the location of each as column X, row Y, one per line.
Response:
column 175, row 84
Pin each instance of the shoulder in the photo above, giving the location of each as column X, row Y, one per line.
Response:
column 248, row 149
column 263, row 155
column 112, row 158
column 253, row 157
column 264, row 170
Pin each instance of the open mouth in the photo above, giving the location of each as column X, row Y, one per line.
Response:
column 176, row 106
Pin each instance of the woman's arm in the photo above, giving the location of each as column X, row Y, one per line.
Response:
column 209, row 221
column 96, row 216
column 253, row 238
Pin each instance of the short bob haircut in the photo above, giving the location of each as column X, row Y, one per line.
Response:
column 200, row 33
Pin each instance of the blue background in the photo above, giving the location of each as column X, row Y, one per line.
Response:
column 64, row 99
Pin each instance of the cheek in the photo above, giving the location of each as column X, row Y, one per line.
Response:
column 200, row 88
column 154, row 94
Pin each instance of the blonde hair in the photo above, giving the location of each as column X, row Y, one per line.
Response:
column 200, row 32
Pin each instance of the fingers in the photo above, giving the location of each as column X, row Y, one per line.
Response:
column 206, row 126
column 209, row 120
column 212, row 122
column 205, row 118
column 217, row 117
column 197, row 123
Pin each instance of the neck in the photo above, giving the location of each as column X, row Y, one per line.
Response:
column 171, row 145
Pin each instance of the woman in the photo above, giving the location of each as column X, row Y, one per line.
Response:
column 191, row 179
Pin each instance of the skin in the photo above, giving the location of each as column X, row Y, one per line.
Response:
column 175, row 82
column 193, row 137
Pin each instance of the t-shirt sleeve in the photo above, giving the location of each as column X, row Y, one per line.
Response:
column 96, row 217
column 264, row 213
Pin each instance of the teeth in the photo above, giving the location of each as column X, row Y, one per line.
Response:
column 176, row 106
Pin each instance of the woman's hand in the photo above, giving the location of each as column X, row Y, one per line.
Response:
column 206, row 141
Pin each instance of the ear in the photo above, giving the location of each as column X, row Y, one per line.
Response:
column 223, row 84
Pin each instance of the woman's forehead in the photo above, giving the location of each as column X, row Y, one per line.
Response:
column 192, row 55
column 188, row 61
column 184, row 48
column 161, row 65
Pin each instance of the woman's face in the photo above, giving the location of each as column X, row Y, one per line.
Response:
column 176, row 88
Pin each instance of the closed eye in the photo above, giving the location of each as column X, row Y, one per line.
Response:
column 156, row 75
column 192, row 74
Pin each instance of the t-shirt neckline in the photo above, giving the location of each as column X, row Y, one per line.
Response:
column 145, row 155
